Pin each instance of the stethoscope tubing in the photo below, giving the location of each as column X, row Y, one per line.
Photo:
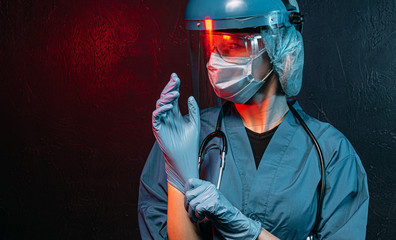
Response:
column 216, row 133
column 322, row 170
column 219, row 133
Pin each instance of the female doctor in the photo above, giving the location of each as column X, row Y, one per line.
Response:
column 277, row 181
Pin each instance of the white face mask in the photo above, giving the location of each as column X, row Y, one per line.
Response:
column 233, row 79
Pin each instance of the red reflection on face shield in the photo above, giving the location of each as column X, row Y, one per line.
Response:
column 208, row 24
column 209, row 29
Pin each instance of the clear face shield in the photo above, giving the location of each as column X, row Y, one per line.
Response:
column 226, row 60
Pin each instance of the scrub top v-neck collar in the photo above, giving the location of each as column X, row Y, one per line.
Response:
column 239, row 147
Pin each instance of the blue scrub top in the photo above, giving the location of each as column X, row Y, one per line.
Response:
column 282, row 192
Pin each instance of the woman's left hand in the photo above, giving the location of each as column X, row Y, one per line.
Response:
column 202, row 199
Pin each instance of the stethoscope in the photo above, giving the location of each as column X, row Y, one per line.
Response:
column 220, row 134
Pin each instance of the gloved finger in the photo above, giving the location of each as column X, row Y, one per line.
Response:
column 176, row 111
column 193, row 190
column 197, row 207
column 173, row 84
column 193, row 111
column 191, row 214
column 206, row 204
column 193, row 183
column 170, row 97
column 196, row 191
column 158, row 114
column 190, row 192
column 192, row 199
column 194, row 195
column 201, row 211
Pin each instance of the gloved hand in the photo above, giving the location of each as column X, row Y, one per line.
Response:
column 202, row 199
column 177, row 137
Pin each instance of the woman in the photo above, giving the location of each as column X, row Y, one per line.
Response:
column 271, row 182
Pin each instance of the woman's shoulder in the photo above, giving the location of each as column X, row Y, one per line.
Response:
column 321, row 129
column 327, row 132
column 335, row 145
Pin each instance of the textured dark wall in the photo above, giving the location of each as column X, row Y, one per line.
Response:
column 79, row 79
column 350, row 81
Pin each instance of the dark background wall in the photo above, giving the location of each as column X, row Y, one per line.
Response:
column 350, row 81
column 79, row 80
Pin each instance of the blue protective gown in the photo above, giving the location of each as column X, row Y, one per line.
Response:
column 282, row 192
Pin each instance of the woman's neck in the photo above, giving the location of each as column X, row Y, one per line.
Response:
column 266, row 109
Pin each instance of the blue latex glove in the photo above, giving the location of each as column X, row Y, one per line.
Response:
column 203, row 200
column 177, row 137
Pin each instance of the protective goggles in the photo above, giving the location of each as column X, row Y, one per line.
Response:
column 232, row 46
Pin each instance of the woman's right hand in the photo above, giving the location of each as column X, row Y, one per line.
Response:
column 177, row 137
column 202, row 200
